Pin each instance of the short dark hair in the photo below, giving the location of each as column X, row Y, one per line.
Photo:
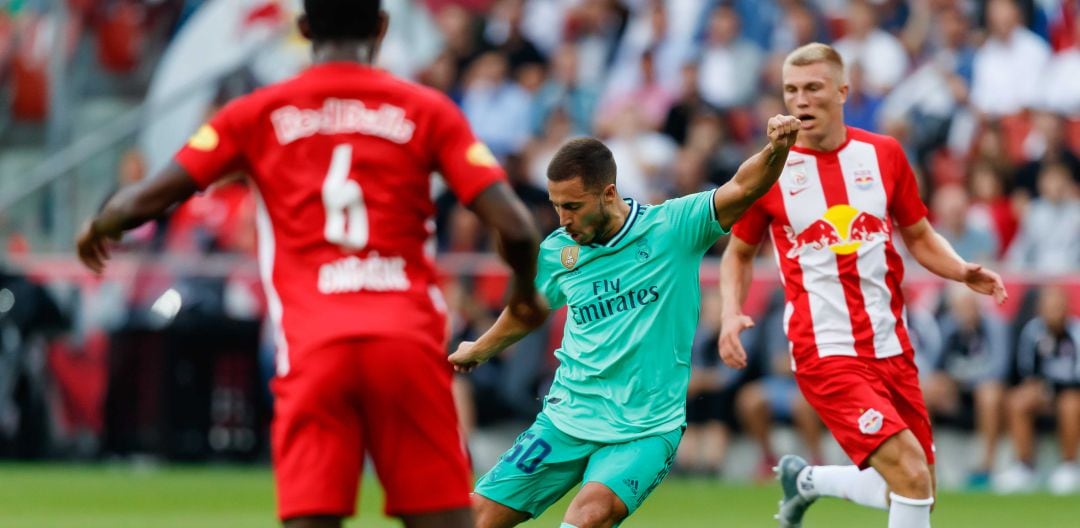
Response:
column 342, row 19
column 587, row 158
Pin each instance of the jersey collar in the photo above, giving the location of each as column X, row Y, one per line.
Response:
column 631, row 218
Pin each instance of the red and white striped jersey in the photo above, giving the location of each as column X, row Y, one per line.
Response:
column 341, row 157
column 831, row 217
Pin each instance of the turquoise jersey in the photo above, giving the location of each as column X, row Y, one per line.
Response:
column 632, row 309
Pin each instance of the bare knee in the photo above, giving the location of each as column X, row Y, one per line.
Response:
column 490, row 514
column 595, row 506
column 902, row 463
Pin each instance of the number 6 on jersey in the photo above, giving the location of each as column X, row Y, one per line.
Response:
column 346, row 214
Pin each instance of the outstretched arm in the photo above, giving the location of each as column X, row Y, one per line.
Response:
column 517, row 242
column 935, row 254
column 757, row 174
column 506, row 331
column 736, row 268
column 129, row 208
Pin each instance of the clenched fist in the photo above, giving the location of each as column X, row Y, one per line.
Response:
column 782, row 131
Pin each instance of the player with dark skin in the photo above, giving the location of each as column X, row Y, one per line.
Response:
column 497, row 207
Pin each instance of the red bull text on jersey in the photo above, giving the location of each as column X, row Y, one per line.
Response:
column 831, row 217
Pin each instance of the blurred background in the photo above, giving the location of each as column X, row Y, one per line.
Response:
column 166, row 357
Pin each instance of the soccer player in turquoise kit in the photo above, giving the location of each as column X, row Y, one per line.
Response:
column 628, row 274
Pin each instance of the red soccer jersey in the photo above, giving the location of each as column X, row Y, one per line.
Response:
column 831, row 216
column 341, row 158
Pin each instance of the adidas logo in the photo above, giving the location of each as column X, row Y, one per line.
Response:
column 632, row 484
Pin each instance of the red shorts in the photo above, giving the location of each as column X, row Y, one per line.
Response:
column 864, row 401
column 389, row 398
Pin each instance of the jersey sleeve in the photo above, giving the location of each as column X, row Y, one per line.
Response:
column 547, row 283
column 694, row 218
column 214, row 151
column 906, row 207
column 467, row 165
column 753, row 224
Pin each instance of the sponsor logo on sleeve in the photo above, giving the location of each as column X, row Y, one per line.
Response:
column 204, row 139
column 480, row 155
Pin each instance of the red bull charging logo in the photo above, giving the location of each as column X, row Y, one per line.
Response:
column 842, row 229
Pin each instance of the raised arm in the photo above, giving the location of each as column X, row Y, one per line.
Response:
column 935, row 254
column 757, row 174
column 130, row 207
column 736, row 269
column 518, row 244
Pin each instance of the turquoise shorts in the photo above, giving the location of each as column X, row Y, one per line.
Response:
column 544, row 463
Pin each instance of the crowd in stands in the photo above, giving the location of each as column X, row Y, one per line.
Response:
column 984, row 96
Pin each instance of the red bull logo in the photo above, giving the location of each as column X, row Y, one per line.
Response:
column 842, row 229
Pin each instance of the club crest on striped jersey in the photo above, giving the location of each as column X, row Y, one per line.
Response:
column 863, row 179
column 569, row 257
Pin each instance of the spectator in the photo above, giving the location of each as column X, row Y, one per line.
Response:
column 709, row 137
column 949, row 206
column 1049, row 238
column 688, row 106
column 710, row 399
column 990, row 209
column 541, row 150
column 969, row 373
column 642, row 155
column 1048, row 361
column 650, row 33
column 881, row 54
column 1007, row 64
column 776, row 396
column 730, row 65
column 927, row 101
column 595, row 28
column 491, row 100
column 862, row 104
column 1046, row 144
column 650, row 97
column 504, row 33
column 1061, row 83
column 564, row 90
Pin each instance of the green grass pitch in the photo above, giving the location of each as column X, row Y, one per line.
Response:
column 120, row 496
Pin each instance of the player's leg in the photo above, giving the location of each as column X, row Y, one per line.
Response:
column 410, row 425
column 905, row 459
column 942, row 394
column 491, row 514
column 1066, row 478
column 317, row 442
column 1022, row 405
column 595, row 506
column 619, row 478
column 543, row 464
column 857, row 408
column 807, row 424
column 989, row 400
column 755, row 416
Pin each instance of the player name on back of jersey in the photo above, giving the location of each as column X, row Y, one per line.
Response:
column 371, row 273
column 342, row 116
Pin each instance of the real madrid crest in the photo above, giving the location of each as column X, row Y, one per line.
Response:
column 569, row 257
